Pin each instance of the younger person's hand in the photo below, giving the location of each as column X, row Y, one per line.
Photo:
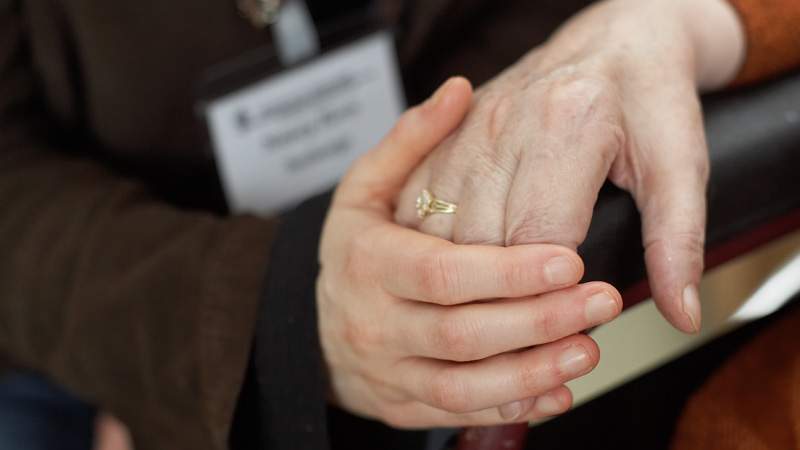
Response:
column 420, row 332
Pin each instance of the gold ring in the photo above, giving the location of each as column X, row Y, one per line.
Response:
column 428, row 204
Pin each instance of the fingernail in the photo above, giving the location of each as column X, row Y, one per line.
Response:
column 513, row 410
column 560, row 270
column 600, row 308
column 574, row 361
column 691, row 306
column 548, row 405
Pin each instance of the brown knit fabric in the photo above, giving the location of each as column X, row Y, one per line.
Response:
column 753, row 402
column 773, row 38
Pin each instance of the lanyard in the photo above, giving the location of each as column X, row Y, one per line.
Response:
column 292, row 27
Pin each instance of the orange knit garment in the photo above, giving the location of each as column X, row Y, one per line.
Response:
column 772, row 28
column 753, row 401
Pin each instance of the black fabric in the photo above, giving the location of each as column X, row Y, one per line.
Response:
column 287, row 356
column 245, row 434
column 287, row 373
column 322, row 10
column 348, row 432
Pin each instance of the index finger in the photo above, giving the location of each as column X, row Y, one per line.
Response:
column 420, row 267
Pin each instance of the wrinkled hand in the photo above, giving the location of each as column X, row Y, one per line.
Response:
column 613, row 95
column 403, row 334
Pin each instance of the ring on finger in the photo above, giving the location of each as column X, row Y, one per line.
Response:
column 428, row 204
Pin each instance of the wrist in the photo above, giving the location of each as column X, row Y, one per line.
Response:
column 718, row 41
column 702, row 39
column 701, row 42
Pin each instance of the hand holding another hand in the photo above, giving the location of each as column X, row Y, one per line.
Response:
column 612, row 95
column 420, row 332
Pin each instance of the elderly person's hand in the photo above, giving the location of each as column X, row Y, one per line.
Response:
column 403, row 334
column 612, row 95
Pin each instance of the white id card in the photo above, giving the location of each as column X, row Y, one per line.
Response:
column 293, row 135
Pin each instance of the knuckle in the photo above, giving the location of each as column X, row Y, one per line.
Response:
column 586, row 103
column 364, row 339
column 476, row 237
column 512, row 274
column 457, row 338
column 525, row 233
column 530, row 227
column 491, row 165
column 436, row 279
column 609, row 138
column 546, row 323
column 475, row 163
column 541, row 225
column 497, row 109
column 578, row 98
column 531, row 379
column 448, row 392
column 477, row 233
column 357, row 262
column 691, row 240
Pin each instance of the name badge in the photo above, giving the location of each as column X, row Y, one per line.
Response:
column 288, row 137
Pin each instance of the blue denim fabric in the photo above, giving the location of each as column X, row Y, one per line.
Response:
column 36, row 415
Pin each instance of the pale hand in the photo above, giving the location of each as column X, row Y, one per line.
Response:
column 419, row 332
column 611, row 96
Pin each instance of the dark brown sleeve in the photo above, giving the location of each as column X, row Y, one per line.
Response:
column 140, row 307
column 772, row 29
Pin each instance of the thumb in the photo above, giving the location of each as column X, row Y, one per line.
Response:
column 381, row 173
column 673, row 225
column 672, row 199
